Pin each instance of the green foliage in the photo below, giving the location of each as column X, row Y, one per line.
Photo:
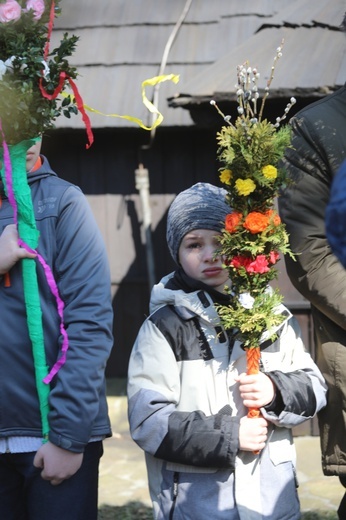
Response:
column 245, row 149
column 251, row 323
column 131, row 511
column 139, row 511
column 24, row 111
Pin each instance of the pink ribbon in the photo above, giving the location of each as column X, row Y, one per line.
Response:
column 48, row 272
column 60, row 308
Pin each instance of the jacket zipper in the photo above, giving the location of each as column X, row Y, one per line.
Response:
column 175, row 494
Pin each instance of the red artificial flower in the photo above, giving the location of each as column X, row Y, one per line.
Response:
column 259, row 265
column 273, row 257
column 240, row 261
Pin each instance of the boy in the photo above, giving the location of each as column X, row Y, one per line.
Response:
column 57, row 479
column 188, row 389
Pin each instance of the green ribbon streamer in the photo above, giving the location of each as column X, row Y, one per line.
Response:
column 29, row 233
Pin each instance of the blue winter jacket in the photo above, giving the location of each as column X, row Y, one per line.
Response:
column 336, row 215
column 70, row 242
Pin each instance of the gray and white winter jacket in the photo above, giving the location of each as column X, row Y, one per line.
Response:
column 185, row 408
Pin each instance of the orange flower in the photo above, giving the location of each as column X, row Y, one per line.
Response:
column 232, row 221
column 273, row 217
column 256, row 222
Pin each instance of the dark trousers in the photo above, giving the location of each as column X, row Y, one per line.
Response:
column 24, row 495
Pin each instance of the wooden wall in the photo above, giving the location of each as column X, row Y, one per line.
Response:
column 177, row 159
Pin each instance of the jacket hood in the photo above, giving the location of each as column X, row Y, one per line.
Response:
column 44, row 171
column 201, row 304
column 187, row 305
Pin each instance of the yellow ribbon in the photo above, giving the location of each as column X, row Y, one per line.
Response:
column 149, row 105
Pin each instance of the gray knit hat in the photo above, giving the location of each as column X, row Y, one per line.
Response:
column 203, row 206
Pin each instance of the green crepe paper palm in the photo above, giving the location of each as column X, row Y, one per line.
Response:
column 29, row 234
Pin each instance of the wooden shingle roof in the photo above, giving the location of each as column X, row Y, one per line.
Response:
column 122, row 43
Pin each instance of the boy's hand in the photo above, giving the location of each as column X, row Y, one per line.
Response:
column 10, row 251
column 57, row 464
column 256, row 390
column 252, row 433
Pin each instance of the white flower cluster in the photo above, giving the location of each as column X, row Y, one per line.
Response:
column 247, row 93
column 287, row 109
column 247, row 90
column 7, row 66
column 246, row 300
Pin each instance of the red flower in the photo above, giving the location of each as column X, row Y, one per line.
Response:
column 240, row 261
column 273, row 257
column 232, row 221
column 259, row 265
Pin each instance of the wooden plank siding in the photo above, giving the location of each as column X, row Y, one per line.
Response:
column 121, row 44
column 105, row 173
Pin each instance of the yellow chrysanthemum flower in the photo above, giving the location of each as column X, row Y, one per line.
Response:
column 269, row 172
column 245, row 187
column 226, row 176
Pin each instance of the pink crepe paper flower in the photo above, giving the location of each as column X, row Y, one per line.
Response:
column 259, row 265
column 37, row 6
column 10, row 11
column 273, row 257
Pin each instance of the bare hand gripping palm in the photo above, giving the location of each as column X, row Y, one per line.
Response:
column 10, row 251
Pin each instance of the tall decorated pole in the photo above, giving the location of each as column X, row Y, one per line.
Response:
column 26, row 71
column 254, row 236
column 14, row 158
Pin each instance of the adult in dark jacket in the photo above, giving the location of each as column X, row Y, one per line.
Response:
column 59, row 478
column 318, row 149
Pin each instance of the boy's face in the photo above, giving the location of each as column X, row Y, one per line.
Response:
column 197, row 258
column 32, row 155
